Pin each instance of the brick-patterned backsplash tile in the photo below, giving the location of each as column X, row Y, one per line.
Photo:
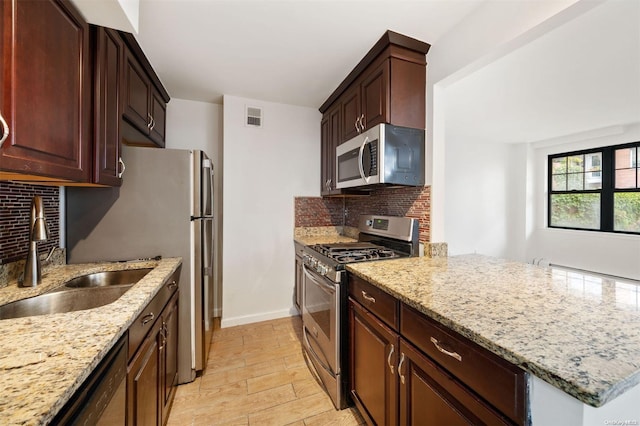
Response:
column 414, row 202
column 15, row 207
column 316, row 211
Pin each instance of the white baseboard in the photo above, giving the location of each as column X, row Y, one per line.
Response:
column 250, row 319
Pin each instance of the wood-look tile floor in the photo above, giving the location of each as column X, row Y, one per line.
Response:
column 256, row 375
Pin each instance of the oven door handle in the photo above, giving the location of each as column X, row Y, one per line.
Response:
column 314, row 354
column 331, row 288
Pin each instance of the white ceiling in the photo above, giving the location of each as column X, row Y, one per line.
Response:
column 581, row 77
column 293, row 52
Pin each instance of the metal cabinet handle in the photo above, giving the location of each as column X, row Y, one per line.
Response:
column 356, row 124
column 389, row 358
column 327, row 184
column 148, row 318
column 122, row 169
column 5, row 132
column 163, row 338
column 153, row 124
column 367, row 297
column 444, row 351
column 149, row 121
column 173, row 284
column 400, row 368
column 362, row 121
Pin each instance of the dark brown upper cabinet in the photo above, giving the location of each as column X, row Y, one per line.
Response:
column 387, row 86
column 44, row 92
column 62, row 96
column 108, row 49
column 330, row 134
column 145, row 98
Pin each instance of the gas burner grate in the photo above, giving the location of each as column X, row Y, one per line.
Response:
column 357, row 252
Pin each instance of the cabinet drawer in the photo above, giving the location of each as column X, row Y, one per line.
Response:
column 500, row 383
column 430, row 396
column 148, row 317
column 381, row 304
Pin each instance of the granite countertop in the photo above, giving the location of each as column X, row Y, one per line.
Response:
column 44, row 359
column 324, row 239
column 324, row 235
column 578, row 332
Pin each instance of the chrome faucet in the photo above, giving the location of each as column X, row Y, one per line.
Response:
column 38, row 231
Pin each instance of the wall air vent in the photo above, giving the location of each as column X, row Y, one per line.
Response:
column 253, row 117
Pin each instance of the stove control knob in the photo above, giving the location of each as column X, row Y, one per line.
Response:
column 323, row 269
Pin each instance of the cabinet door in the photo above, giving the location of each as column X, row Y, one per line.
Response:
column 158, row 117
column 45, row 90
column 143, row 383
column 373, row 357
column 136, row 92
column 109, row 51
column 325, row 149
column 169, row 356
column 430, row 396
column 375, row 96
column 330, row 128
column 350, row 114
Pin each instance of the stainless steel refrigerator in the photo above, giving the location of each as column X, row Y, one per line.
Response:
column 164, row 207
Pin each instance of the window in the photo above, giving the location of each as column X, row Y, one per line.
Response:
column 596, row 190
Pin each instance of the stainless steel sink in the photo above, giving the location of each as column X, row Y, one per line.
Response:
column 63, row 301
column 108, row 278
column 85, row 292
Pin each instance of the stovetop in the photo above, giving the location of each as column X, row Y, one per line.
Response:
column 380, row 237
column 343, row 253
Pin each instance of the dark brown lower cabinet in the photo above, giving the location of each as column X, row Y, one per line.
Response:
column 430, row 396
column 374, row 384
column 394, row 382
column 153, row 371
column 169, row 358
column 142, row 382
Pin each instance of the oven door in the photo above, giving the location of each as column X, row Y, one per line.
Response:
column 321, row 319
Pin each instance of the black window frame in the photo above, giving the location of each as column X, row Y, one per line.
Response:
column 607, row 190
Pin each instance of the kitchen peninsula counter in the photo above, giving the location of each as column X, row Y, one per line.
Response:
column 577, row 332
column 44, row 359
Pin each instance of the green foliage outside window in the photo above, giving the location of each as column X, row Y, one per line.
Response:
column 626, row 211
column 596, row 189
column 575, row 210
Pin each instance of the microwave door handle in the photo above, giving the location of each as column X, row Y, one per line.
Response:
column 360, row 158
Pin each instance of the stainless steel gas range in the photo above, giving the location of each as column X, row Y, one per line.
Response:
column 324, row 292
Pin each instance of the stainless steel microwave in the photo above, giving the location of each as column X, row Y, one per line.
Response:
column 383, row 155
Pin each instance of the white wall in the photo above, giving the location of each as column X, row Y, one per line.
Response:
column 494, row 29
column 551, row 406
column 265, row 168
column 607, row 253
column 484, row 208
column 491, row 198
column 198, row 125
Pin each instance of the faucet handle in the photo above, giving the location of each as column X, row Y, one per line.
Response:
column 39, row 226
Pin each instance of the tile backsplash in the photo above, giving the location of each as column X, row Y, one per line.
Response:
column 15, row 207
column 412, row 202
